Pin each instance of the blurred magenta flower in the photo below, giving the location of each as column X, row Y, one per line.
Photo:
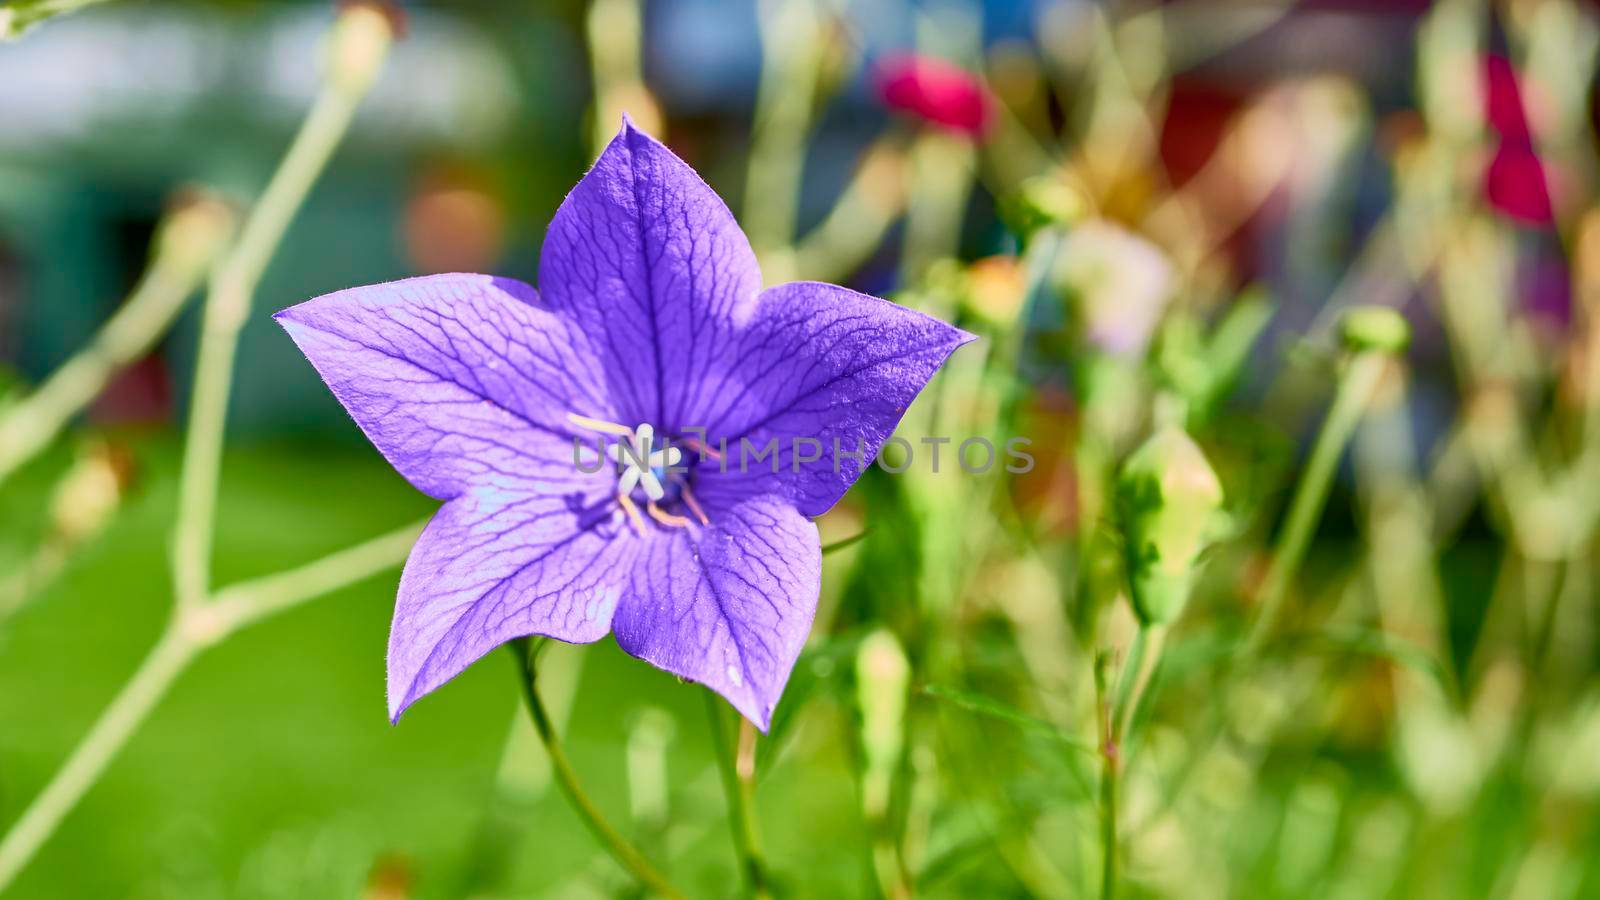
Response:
column 1503, row 100
column 940, row 92
column 1514, row 181
column 651, row 321
column 1515, row 184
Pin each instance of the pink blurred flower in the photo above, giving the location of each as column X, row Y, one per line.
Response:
column 1515, row 184
column 1503, row 100
column 935, row 90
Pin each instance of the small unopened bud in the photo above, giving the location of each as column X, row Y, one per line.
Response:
column 1041, row 202
column 1377, row 328
column 195, row 228
column 882, row 678
column 359, row 43
column 996, row 289
column 1168, row 504
column 87, row 496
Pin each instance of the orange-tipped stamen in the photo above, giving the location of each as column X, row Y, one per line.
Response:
column 693, row 504
column 666, row 518
column 701, row 448
column 600, row 425
column 629, row 507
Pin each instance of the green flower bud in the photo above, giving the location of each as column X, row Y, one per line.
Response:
column 1168, row 504
column 196, row 227
column 1376, row 328
column 359, row 43
column 88, row 495
column 1041, row 202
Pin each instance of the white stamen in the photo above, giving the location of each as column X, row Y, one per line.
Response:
column 639, row 459
column 629, row 478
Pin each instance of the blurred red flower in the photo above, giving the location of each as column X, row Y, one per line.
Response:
column 935, row 90
column 1503, row 100
column 1514, row 183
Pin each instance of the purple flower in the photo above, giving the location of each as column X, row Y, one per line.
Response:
column 652, row 323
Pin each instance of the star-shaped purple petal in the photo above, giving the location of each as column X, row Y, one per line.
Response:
column 652, row 321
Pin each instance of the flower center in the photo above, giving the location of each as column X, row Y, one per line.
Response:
column 660, row 475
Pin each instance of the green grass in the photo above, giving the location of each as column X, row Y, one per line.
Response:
column 271, row 769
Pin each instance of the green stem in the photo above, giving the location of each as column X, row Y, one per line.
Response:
column 738, row 783
column 185, row 243
column 791, row 60
column 1355, row 388
column 1134, row 682
column 89, row 759
column 227, row 307
column 189, row 632
column 1108, row 783
column 625, row 853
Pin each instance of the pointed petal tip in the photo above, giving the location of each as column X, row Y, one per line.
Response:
column 397, row 708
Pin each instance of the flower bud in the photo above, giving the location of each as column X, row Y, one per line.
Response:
column 1041, row 202
column 1377, row 328
column 88, row 495
column 359, row 42
column 195, row 228
column 1168, row 504
column 882, row 678
column 996, row 290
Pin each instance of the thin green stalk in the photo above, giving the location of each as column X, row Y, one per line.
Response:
column 186, row 241
column 738, row 783
column 791, row 63
column 854, row 228
column 89, row 759
column 187, row 633
column 612, row 840
column 1134, row 682
column 1354, row 390
column 360, row 41
column 1109, row 765
column 943, row 171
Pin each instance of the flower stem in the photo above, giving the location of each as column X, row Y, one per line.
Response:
column 1108, row 781
column 738, row 782
column 148, row 685
column 1355, row 389
column 1143, row 658
column 188, row 632
column 187, row 239
column 618, row 846
column 791, row 59
column 232, row 288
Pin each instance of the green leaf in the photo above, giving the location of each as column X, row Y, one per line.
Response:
column 845, row 542
column 1398, row 650
column 987, row 706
